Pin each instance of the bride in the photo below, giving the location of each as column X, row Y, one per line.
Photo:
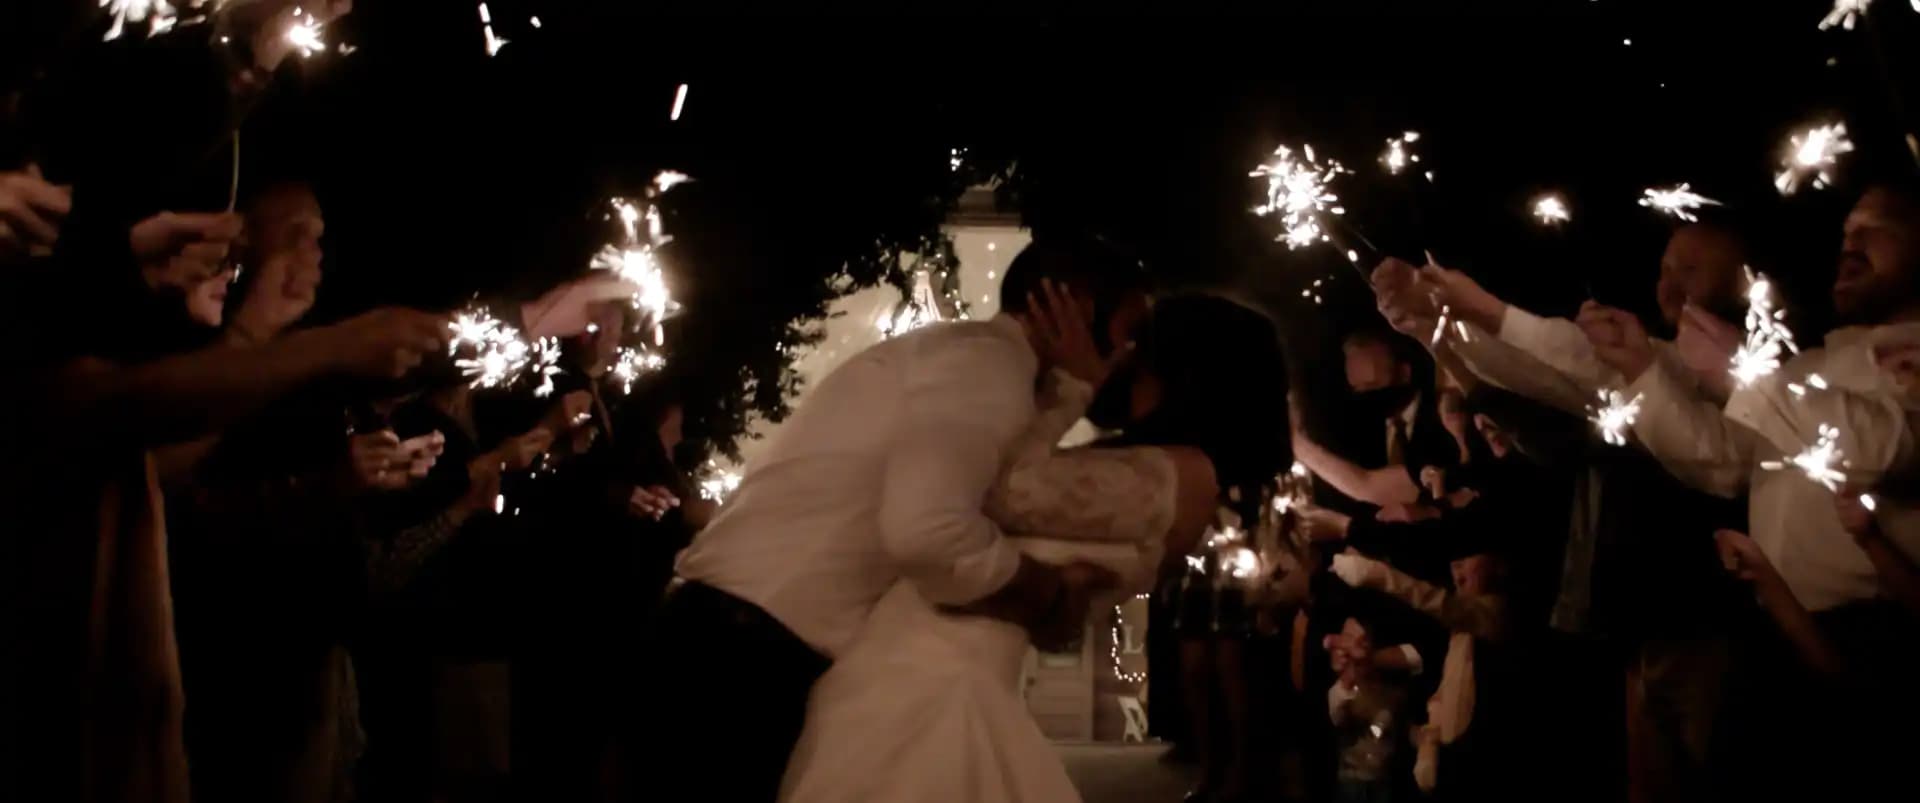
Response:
column 926, row 706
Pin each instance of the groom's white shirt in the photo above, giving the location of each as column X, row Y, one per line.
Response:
column 880, row 474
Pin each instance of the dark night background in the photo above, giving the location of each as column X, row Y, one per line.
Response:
column 820, row 135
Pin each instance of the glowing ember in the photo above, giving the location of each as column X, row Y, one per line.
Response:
column 1679, row 201
column 679, row 102
column 1397, row 157
column 1242, row 563
column 1768, row 338
column 1821, row 462
column 668, row 179
column 1615, row 415
column 1811, row 154
column 1298, row 192
column 1551, row 210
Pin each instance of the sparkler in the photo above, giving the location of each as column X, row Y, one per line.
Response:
column 304, row 33
column 1397, row 157
column 631, row 364
column 1615, row 415
column 1678, row 201
column 634, row 262
column 1243, row 563
column 500, row 356
column 718, row 482
column 1768, row 337
column 1819, row 461
column 494, row 42
column 1297, row 192
column 1551, row 210
column 1811, row 153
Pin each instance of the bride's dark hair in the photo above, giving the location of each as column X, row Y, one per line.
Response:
column 1223, row 389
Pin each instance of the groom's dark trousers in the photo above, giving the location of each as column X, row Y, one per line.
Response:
column 730, row 688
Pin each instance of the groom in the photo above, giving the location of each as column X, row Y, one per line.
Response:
column 879, row 475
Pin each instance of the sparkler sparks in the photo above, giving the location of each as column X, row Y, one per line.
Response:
column 1615, row 415
column 159, row 15
column 304, row 33
column 679, row 102
column 1243, row 563
column 494, row 42
column 500, row 356
column 1821, row 462
column 1551, row 210
column 1678, row 201
column 1768, row 337
column 635, row 261
column 718, row 483
column 1297, row 192
column 631, row 364
column 1397, row 157
column 1811, row 154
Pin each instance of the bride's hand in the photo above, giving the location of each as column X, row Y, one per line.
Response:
column 1066, row 339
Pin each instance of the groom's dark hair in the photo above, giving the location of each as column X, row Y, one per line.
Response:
column 1087, row 264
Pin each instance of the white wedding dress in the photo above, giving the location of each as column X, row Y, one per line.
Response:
column 926, row 707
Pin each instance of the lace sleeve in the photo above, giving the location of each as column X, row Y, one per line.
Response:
column 1080, row 494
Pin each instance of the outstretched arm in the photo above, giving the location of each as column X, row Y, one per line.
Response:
column 1379, row 486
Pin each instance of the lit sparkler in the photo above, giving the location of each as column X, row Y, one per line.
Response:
column 635, row 261
column 1615, row 415
column 304, row 33
column 499, row 355
column 1297, row 192
column 494, row 41
column 718, row 483
column 1551, row 210
column 1678, row 201
column 1821, row 462
column 1243, row 563
column 1768, row 338
column 668, row 179
column 631, row 364
column 1397, row 157
column 1811, row 154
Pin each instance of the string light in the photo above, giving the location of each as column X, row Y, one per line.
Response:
column 1113, row 646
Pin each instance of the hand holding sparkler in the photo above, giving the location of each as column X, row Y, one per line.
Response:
column 568, row 308
column 1707, row 345
column 651, row 502
column 1743, row 558
column 179, row 250
column 571, row 411
column 31, row 211
column 1322, row 525
column 1358, row 570
column 1618, row 339
column 384, row 343
column 1856, row 510
column 1463, row 297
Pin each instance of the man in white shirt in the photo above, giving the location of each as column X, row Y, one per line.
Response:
column 1639, row 568
column 879, row 475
